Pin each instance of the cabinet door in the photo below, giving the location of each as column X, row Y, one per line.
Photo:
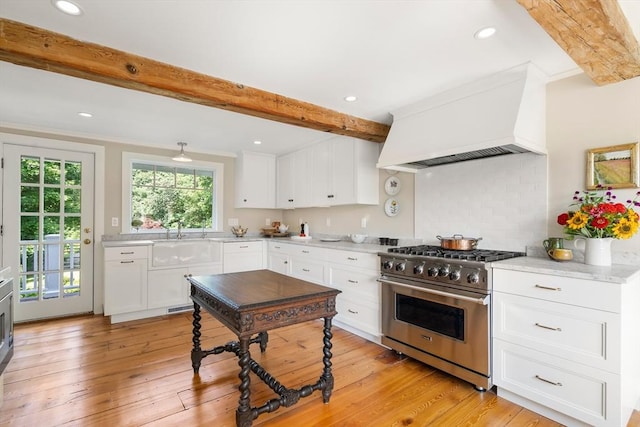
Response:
column 343, row 172
column 255, row 180
column 284, row 182
column 279, row 263
column 167, row 287
column 321, row 169
column 125, row 284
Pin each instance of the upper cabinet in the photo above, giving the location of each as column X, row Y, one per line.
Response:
column 344, row 172
column 293, row 180
column 255, row 180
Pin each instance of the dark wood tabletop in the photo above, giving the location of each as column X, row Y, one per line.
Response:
column 255, row 301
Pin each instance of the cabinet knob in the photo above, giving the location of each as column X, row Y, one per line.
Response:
column 87, row 241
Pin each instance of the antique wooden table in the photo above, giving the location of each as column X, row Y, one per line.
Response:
column 250, row 304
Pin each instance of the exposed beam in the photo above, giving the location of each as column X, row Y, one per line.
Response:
column 595, row 33
column 35, row 47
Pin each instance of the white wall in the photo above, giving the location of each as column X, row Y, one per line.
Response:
column 580, row 116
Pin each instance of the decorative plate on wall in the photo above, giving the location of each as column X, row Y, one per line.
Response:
column 392, row 186
column 391, row 207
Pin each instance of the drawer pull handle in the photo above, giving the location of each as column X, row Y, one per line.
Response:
column 352, row 281
column 548, row 327
column 305, row 252
column 127, row 262
column 426, row 337
column 306, row 270
column 557, row 383
column 350, row 258
column 244, row 247
column 127, row 253
column 352, row 311
column 277, row 247
column 549, row 288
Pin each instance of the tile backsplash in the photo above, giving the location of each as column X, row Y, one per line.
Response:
column 501, row 199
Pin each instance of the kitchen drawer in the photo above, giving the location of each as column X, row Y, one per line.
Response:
column 583, row 293
column 355, row 259
column 309, row 252
column 358, row 314
column 582, row 392
column 356, row 284
column 280, row 248
column 241, row 247
column 307, row 270
column 126, row 252
column 578, row 334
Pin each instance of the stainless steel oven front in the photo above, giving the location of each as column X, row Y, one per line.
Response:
column 6, row 322
column 445, row 327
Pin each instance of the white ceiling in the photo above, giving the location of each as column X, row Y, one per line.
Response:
column 388, row 53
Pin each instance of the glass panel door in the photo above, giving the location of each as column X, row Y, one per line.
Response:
column 48, row 226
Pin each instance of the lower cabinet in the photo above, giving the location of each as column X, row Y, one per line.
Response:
column 125, row 279
column 169, row 287
column 561, row 346
column 242, row 256
column 354, row 273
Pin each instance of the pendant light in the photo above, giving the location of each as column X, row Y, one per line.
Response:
column 181, row 157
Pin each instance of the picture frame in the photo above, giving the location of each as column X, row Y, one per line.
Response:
column 615, row 166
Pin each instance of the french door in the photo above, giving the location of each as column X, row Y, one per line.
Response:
column 48, row 199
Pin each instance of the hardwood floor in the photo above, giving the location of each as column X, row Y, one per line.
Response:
column 84, row 371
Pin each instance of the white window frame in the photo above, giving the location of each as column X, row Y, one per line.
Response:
column 128, row 159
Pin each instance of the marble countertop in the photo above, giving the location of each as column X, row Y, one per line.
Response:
column 616, row 273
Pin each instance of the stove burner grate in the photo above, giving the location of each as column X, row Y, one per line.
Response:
column 482, row 255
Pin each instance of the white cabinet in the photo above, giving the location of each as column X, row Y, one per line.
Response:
column 242, row 256
column 255, row 180
column 561, row 345
column 344, row 172
column 338, row 171
column 278, row 258
column 125, row 279
column 293, row 180
column 358, row 306
column 169, row 287
column 354, row 273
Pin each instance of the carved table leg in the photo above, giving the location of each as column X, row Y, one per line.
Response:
column 244, row 414
column 327, row 376
column 196, row 352
column 264, row 339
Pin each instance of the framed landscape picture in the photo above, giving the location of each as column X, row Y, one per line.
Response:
column 615, row 166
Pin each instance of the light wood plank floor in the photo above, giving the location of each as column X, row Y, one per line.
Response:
column 84, row 371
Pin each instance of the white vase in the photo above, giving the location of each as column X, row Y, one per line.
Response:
column 596, row 251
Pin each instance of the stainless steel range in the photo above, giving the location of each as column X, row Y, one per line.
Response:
column 436, row 308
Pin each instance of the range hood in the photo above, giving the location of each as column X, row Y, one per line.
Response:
column 501, row 114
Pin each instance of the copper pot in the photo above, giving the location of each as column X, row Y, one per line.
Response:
column 458, row 242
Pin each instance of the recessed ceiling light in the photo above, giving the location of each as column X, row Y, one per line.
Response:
column 68, row 7
column 484, row 33
column 85, row 114
column 351, row 98
column 257, row 142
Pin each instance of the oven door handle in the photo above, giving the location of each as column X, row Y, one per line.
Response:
column 482, row 301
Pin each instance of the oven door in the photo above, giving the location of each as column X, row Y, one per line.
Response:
column 447, row 323
column 6, row 323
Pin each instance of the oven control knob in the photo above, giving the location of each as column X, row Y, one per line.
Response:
column 454, row 275
column 387, row 265
column 401, row 266
column 432, row 271
column 473, row 277
column 444, row 270
column 418, row 269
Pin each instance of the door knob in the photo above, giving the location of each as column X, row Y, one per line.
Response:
column 87, row 230
column 87, row 241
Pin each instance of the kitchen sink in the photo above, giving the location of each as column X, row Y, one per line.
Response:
column 183, row 252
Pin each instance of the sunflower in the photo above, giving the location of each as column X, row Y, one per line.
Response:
column 624, row 229
column 578, row 220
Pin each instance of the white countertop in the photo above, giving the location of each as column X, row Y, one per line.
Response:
column 617, row 273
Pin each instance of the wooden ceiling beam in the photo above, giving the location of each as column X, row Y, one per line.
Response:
column 35, row 47
column 595, row 33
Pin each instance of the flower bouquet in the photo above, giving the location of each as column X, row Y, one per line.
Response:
column 598, row 215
